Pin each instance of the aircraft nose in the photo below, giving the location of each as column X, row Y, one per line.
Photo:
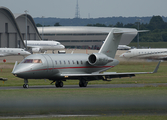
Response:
column 16, row 72
column 62, row 46
column 28, row 53
column 122, row 55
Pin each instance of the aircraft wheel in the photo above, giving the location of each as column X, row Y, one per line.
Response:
column 60, row 84
column 83, row 84
column 57, row 84
column 25, row 85
column 80, row 84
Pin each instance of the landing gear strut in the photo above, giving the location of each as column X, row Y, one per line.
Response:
column 53, row 51
column 59, row 84
column 25, row 85
column 82, row 83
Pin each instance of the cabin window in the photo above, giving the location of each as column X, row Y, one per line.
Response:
column 56, row 62
column 73, row 62
column 81, row 62
column 77, row 62
column 68, row 62
column 64, row 62
column 60, row 62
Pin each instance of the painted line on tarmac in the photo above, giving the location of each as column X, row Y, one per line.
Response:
column 45, row 116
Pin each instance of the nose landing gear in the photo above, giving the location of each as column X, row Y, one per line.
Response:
column 25, row 85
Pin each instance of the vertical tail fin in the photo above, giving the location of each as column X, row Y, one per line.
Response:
column 111, row 43
column 113, row 39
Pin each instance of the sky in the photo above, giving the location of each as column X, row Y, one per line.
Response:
column 87, row 8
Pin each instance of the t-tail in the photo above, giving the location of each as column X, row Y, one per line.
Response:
column 112, row 41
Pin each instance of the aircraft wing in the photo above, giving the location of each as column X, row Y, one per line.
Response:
column 109, row 74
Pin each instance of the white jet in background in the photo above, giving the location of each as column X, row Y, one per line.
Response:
column 13, row 52
column 42, row 46
column 152, row 54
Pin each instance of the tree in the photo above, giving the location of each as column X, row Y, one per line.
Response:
column 38, row 25
column 57, row 24
column 156, row 22
column 119, row 24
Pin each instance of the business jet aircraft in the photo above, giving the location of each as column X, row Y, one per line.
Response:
column 155, row 54
column 13, row 52
column 123, row 47
column 84, row 67
column 42, row 46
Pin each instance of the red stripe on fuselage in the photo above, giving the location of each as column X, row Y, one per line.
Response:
column 72, row 68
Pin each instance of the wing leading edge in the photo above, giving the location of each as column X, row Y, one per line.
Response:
column 110, row 74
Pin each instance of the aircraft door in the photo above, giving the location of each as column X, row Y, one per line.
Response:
column 50, row 64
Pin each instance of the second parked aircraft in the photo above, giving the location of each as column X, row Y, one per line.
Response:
column 152, row 54
column 42, row 46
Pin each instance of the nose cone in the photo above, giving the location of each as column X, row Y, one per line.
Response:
column 19, row 72
column 16, row 72
column 27, row 53
column 62, row 46
column 121, row 56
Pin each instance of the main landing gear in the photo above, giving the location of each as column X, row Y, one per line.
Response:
column 25, row 85
column 83, row 83
column 59, row 84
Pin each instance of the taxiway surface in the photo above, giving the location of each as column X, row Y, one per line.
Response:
column 89, row 86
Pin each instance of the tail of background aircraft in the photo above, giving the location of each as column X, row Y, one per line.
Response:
column 112, row 41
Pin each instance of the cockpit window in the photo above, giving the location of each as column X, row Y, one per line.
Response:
column 58, row 43
column 32, row 61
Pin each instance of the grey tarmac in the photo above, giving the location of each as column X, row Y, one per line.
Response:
column 89, row 86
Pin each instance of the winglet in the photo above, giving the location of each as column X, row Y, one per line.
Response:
column 156, row 69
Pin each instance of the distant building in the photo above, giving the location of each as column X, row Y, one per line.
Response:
column 12, row 29
column 32, row 32
column 81, row 36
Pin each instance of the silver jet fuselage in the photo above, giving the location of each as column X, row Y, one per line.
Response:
column 51, row 66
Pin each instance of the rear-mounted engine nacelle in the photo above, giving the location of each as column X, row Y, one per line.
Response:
column 99, row 59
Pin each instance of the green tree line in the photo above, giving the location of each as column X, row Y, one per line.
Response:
column 157, row 29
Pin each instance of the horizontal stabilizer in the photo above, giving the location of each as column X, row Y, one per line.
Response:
column 143, row 31
column 121, row 32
